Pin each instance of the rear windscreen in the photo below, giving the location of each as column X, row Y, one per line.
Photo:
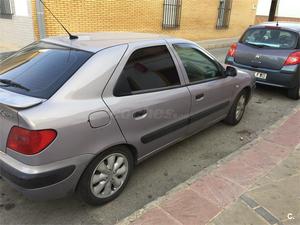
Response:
column 271, row 38
column 40, row 69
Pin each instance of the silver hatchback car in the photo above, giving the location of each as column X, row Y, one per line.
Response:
column 78, row 115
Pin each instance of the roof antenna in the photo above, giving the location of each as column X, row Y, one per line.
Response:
column 72, row 37
column 277, row 24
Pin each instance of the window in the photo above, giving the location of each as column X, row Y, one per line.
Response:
column 198, row 66
column 40, row 69
column 6, row 7
column 146, row 69
column 271, row 38
column 224, row 14
column 172, row 14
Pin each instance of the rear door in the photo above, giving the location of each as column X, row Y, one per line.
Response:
column 211, row 92
column 147, row 96
column 267, row 47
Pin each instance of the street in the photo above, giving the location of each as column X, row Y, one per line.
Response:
column 156, row 176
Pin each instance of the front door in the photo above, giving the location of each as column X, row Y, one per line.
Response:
column 211, row 91
column 149, row 101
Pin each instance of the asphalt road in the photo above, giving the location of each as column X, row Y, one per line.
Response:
column 156, row 176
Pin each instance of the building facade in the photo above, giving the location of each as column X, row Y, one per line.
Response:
column 191, row 19
column 286, row 10
column 16, row 23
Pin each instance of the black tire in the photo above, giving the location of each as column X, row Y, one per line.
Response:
column 231, row 118
column 293, row 93
column 84, row 187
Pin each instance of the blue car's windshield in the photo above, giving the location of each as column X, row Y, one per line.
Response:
column 271, row 38
column 40, row 69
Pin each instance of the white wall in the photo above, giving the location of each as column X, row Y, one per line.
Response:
column 17, row 31
column 286, row 8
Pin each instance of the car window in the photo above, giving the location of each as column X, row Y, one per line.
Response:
column 40, row 69
column 198, row 66
column 272, row 38
column 147, row 69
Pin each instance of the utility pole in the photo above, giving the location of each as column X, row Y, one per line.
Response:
column 273, row 9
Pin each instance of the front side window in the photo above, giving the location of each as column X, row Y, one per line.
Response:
column 40, row 69
column 270, row 38
column 197, row 65
column 147, row 69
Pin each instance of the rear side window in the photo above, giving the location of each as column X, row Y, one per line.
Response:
column 271, row 38
column 40, row 69
column 147, row 69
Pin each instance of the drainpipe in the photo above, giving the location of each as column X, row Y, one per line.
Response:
column 40, row 18
column 273, row 10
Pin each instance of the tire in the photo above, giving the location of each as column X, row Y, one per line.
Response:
column 293, row 93
column 233, row 118
column 100, row 183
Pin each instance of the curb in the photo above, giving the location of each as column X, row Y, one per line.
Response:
column 269, row 138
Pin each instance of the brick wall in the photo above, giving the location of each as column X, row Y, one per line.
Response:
column 16, row 31
column 198, row 18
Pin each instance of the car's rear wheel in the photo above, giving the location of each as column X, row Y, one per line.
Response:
column 106, row 177
column 293, row 93
column 237, row 110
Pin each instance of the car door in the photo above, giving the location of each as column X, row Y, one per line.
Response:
column 210, row 90
column 148, row 98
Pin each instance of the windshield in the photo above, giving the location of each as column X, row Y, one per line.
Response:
column 40, row 69
column 270, row 37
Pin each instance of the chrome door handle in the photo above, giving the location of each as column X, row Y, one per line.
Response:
column 140, row 114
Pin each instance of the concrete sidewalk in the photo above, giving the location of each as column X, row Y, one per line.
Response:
column 259, row 184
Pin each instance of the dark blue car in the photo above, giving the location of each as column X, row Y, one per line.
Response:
column 272, row 52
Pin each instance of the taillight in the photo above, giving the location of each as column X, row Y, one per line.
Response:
column 29, row 142
column 293, row 59
column 232, row 50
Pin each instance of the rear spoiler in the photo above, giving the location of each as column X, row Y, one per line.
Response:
column 18, row 101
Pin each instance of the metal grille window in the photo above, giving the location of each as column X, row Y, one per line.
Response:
column 6, row 7
column 172, row 14
column 224, row 14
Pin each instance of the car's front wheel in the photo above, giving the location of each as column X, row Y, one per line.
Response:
column 237, row 110
column 106, row 177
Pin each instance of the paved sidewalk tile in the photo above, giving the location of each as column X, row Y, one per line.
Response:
column 239, row 172
column 156, row 216
column 217, row 189
column 190, row 209
column 238, row 214
column 289, row 133
column 280, row 198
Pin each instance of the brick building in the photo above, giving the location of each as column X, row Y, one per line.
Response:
column 192, row 19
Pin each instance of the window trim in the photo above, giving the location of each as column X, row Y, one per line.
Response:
column 215, row 62
column 152, row 89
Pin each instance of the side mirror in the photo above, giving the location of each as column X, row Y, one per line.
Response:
column 230, row 71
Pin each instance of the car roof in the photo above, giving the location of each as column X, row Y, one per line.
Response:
column 94, row 42
column 283, row 24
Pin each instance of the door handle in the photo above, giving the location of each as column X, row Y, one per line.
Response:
column 140, row 114
column 199, row 97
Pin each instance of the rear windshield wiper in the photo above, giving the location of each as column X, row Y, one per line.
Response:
column 10, row 83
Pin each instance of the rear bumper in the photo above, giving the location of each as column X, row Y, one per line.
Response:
column 45, row 182
column 287, row 77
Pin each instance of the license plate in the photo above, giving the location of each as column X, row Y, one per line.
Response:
column 261, row 75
